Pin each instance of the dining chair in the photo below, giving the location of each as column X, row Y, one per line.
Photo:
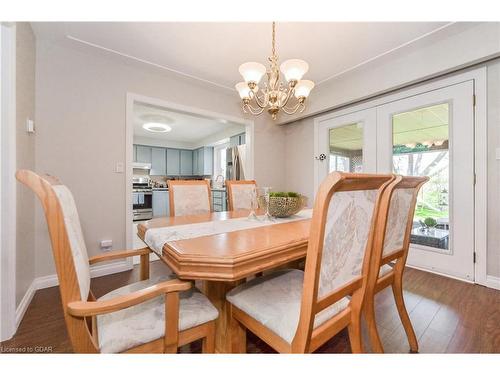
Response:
column 297, row 311
column 189, row 197
column 240, row 194
column 152, row 315
column 392, row 244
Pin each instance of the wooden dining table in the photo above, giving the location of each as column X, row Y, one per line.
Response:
column 223, row 261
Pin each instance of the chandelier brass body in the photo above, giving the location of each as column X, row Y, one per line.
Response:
column 288, row 97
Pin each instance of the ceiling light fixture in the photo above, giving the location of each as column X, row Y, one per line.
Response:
column 156, row 127
column 274, row 96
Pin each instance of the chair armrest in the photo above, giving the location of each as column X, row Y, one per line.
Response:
column 84, row 308
column 118, row 254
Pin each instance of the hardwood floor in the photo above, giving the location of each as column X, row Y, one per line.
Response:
column 449, row 316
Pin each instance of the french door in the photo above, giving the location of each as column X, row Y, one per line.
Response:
column 429, row 134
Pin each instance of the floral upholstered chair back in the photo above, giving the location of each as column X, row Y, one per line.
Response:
column 68, row 245
column 400, row 216
column 75, row 237
column 241, row 194
column 347, row 228
column 189, row 197
column 340, row 246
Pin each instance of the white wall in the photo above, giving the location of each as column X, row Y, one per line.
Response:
column 25, row 158
column 80, row 113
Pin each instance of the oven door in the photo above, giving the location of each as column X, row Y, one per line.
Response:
column 142, row 200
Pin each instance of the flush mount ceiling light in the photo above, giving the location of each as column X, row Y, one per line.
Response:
column 275, row 95
column 156, row 127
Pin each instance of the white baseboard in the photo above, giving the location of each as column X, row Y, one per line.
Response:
column 52, row 280
column 440, row 274
column 25, row 302
column 95, row 271
column 493, row 282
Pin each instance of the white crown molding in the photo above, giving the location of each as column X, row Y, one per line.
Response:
column 98, row 46
column 385, row 53
column 164, row 67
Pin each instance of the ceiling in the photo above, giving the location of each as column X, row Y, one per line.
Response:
column 417, row 126
column 187, row 128
column 212, row 52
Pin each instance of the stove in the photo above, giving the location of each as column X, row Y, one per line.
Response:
column 142, row 198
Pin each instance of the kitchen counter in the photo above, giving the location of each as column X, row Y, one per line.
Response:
column 160, row 189
column 219, row 189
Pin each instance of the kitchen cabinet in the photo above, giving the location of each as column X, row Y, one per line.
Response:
column 173, row 162
column 219, row 200
column 203, row 161
column 158, row 161
column 160, row 203
column 186, row 163
column 236, row 140
column 143, row 154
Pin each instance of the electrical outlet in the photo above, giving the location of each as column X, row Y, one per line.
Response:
column 106, row 245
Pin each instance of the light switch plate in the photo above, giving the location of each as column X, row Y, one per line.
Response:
column 497, row 153
column 119, row 168
column 30, row 126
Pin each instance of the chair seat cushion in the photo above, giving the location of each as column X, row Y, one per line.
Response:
column 274, row 300
column 145, row 322
column 385, row 269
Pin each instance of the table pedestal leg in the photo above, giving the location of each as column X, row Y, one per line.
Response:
column 216, row 293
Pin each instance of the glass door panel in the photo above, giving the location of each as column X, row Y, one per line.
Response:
column 346, row 148
column 346, row 143
column 421, row 148
column 432, row 134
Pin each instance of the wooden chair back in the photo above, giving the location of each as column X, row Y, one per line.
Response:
column 189, row 197
column 240, row 194
column 393, row 241
column 339, row 252
column 68, row 247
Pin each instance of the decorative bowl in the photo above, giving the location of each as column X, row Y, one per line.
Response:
column 284, row 206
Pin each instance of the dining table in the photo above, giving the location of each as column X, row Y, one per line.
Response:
column 223, row 249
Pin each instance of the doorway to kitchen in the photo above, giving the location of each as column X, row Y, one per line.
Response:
column 431, row 131
column 167, row 141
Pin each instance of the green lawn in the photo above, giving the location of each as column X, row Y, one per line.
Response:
column 422, row 213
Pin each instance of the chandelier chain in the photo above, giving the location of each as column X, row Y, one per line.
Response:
column 274, row 39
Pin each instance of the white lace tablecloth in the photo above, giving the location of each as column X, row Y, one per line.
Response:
column 156, row 238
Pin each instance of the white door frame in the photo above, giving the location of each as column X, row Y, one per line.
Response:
column 479, row 77
column 8, row 181
column 129, row 139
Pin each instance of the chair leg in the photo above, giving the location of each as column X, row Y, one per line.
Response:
column 208, row 342
column 144, row 270
column 354, row 330
column 238, row 335
column 369, row 310
column 397, row 290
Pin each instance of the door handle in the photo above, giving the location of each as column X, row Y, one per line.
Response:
column 321, row 157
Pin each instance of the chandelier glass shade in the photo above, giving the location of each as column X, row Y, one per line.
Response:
column 275, row 96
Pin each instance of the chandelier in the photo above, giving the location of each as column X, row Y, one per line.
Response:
column 275, row 95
